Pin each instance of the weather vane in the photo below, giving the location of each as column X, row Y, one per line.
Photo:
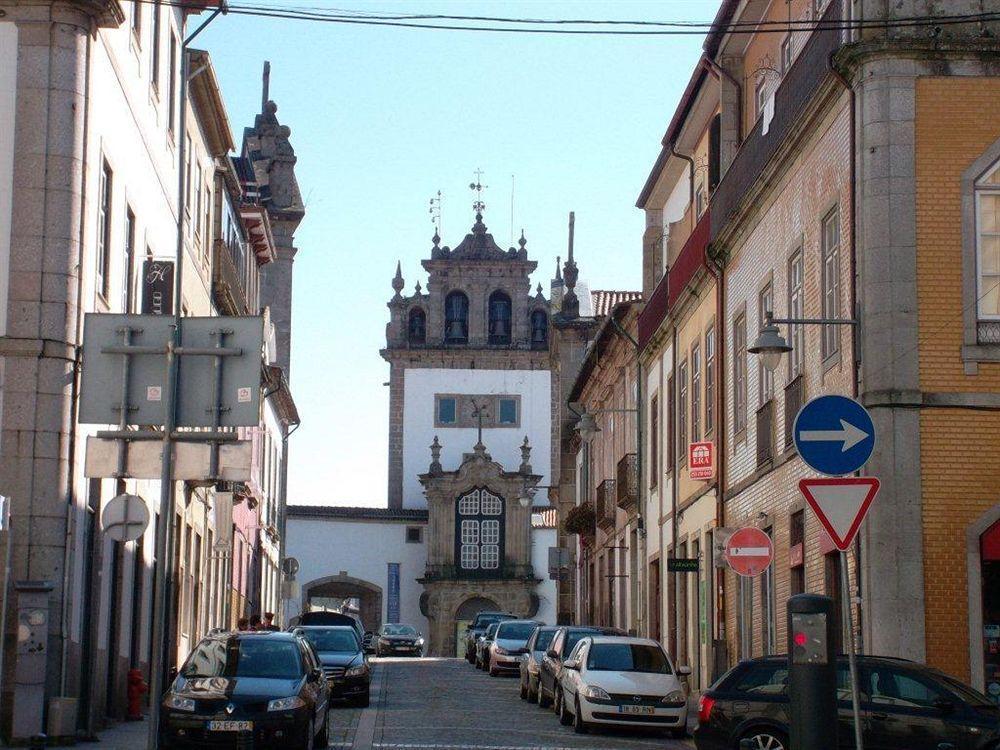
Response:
column 479, row 187
column 435, row 212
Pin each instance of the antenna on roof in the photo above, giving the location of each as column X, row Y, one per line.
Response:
column 512, row 210
column 266, row 94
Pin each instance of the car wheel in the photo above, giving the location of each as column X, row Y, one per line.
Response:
column 764, row 739
column 532, row 694
column 565, row 717
column 364, row 700
column 323, row 738
column 579, row 725
column 542, row 701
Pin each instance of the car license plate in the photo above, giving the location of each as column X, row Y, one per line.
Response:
column 402, row 648
column 230, row 726
column 644, row 710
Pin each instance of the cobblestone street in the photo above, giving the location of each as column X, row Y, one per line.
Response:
column 445, row 704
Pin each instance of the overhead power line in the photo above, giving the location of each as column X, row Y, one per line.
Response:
column 441, row 22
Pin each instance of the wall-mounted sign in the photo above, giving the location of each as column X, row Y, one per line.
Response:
column 682, row 565
column 392, row 601
column 701, row 460
column 158, row 287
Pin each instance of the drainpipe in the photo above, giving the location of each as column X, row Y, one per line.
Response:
column 720, row 71
column 674, row 490
column 855, row 311
column 716, row 267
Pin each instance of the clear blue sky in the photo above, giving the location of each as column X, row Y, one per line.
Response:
column 383, row 118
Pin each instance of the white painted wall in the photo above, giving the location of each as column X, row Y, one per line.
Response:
column 8, row 90
column 548, row 608
column 362, row 549
column 503, row 443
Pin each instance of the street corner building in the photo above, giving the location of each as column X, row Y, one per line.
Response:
column 113, row 168
column 844, row 176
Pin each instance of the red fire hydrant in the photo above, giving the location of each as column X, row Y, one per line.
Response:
column 137, row 687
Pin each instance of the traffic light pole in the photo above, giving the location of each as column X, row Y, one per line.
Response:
column 812, row 673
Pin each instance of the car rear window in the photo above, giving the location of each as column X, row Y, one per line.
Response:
column 326, row 641
column 627, row 657
column 516, row 631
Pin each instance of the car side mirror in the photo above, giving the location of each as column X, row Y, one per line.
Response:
column 572, row 664
column 684, row 671
column 944, row 705
column 552, row 654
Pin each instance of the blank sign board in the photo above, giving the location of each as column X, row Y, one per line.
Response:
column 238, row 375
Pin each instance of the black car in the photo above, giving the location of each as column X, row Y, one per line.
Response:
column 562, row 643
column 904, row 706
column 478, row 627
column 394, row 638
column 263, row 689
column 322, row 617
column 344, row 664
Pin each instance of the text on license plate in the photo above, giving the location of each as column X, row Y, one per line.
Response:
column 635, row 709
column 230, row 726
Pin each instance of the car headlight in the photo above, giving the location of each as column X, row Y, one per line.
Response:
column 285, row 704
column 675, row 696
column 420, row 641
column 502, row 651
column 179, row 704
column 595, row 693
column 356, row 671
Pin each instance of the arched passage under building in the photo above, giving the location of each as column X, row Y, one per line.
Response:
column 335, row 592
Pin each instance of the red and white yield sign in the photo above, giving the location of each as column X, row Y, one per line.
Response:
column 749, row 551
column 841, row 504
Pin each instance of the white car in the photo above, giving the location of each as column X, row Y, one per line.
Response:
column 614, row 680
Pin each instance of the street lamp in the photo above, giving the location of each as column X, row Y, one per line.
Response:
column 770, row 344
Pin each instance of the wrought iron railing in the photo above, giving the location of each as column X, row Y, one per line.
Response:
column 628, row 482
column 765, row 433
column 606, row 506
column 794, row 394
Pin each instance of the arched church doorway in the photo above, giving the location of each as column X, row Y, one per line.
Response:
column 989, row 551
column 464, row 616
column 343, row 593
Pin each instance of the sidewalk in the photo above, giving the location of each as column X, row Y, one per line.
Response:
column 126, row 735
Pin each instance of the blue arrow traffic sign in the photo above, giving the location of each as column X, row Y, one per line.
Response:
column 835, row 435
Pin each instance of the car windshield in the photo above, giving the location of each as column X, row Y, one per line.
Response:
column 573, row 637
column 326, row 641
column 491, row 630
column 516, row 631
column 973, row 697
column 544, row 640
column 399, row 630
column 483, row 621
column 245, row 657
column 627, row 657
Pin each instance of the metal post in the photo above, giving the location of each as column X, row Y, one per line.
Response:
column 163, row 586
column 812, row 673
column 851, row 657
column 5, row 520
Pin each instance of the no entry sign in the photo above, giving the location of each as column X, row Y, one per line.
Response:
column 749, row 551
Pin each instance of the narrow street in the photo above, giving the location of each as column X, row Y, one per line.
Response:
column 445, row 704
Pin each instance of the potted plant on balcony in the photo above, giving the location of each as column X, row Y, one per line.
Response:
column 581, row 520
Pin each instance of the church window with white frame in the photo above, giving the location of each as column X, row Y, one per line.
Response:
column 988, row 244
column 480, row 531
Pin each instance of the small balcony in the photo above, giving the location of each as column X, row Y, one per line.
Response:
column 765, row 433
column 628, row 483
column 606, row 505
column 227, row 286
column 794, row 397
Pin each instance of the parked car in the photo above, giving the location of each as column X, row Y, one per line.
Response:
column 394, row 638
column 478, row 627
column 264, row 689
column 509, row 646
column 483, row 645
column 343, row 659
column 905, row 705
column 621, row 681
column 563, row 642
column 322, row 617
column 536, row 647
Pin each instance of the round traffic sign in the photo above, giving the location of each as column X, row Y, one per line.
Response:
column 125, row 518
column 835, row 435
column 749, row 551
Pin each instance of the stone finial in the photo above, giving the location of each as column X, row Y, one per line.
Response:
column 435, row 467
column 525, row 457
column 397, row 282
column 436, row 239
column 417, row 289
column 538, row 289
column 558, row 278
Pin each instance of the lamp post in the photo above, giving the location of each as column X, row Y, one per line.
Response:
column 771, row 345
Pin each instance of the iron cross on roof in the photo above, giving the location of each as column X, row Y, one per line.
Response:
column 478, row 412
column 478, row 206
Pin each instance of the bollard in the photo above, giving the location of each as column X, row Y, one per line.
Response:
column 812, row 673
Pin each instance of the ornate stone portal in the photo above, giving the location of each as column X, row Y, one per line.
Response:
column 479, row 541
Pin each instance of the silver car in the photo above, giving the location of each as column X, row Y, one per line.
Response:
column 537, row 645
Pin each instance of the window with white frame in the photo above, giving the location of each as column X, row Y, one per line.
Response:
column 796, row 300
column 786, row 54
column 682, row 406
column 830, row 239
column 988, row 245
column 103, row 263
column 710, row 379
column 760, row 93
column 480, row 531
column 765, row 378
